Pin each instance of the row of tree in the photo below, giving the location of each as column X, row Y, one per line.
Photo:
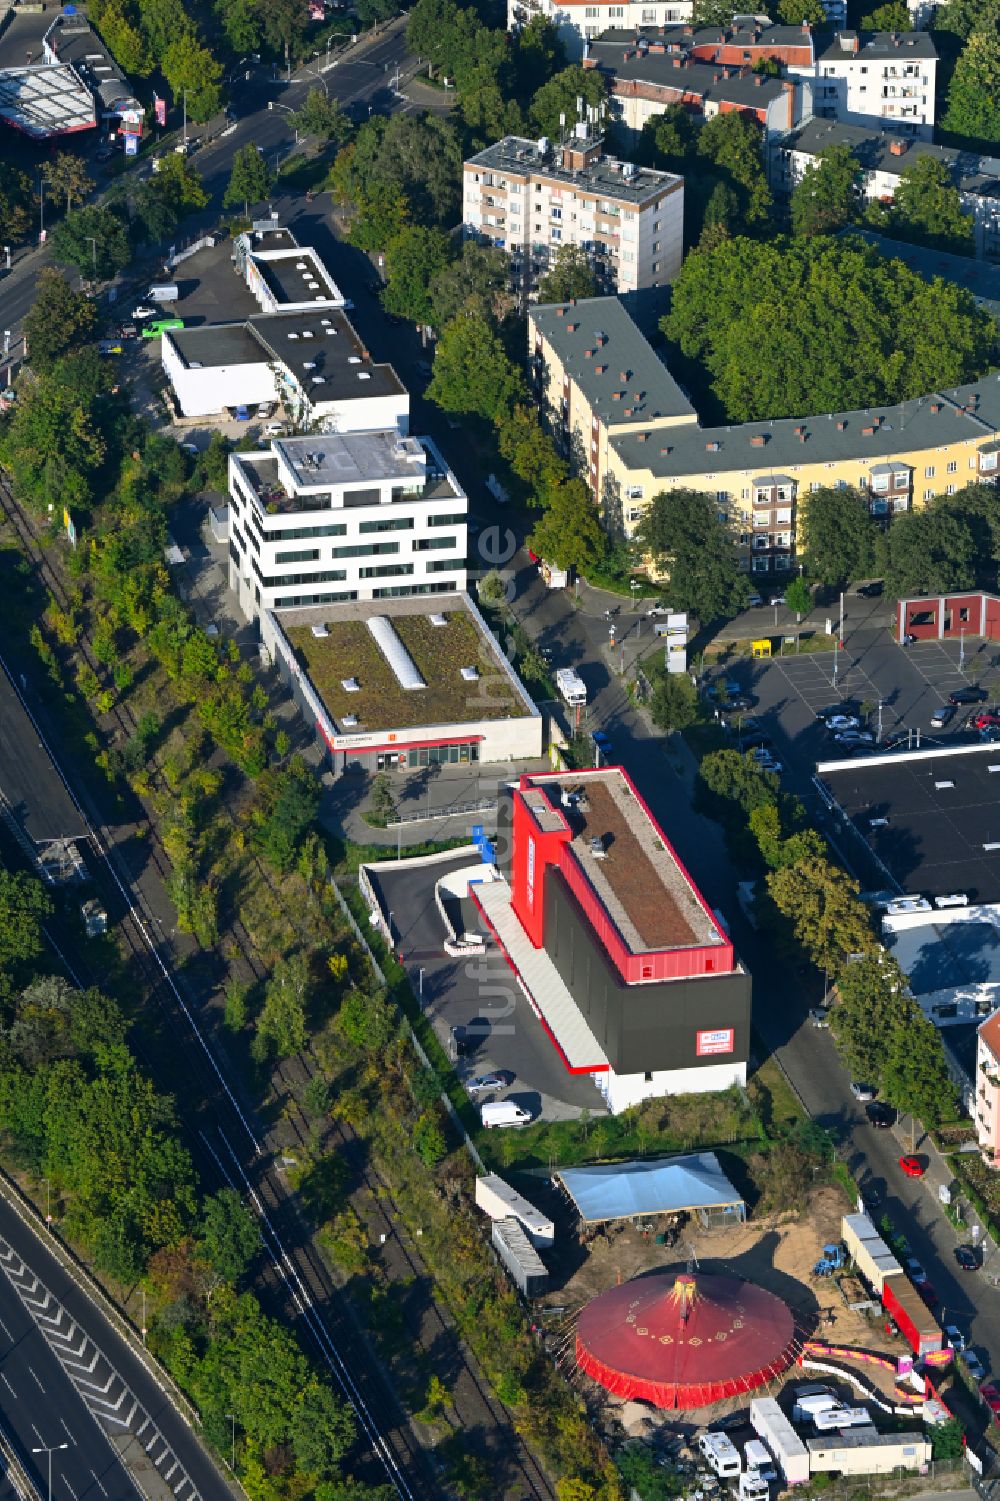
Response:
column 722, row 162
column 926, row 207
column 809, row 904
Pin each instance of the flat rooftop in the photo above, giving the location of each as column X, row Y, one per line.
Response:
column 296, row 275
column 597, row 342
column 640, row 882
column 957, row 949
column 340, row 459
column 73, row 40
column 438, row 652
column 606, row 175
column 942, row 812
column 322, row 350
column 901, row 46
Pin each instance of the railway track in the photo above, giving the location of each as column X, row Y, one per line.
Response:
column 295, row 1275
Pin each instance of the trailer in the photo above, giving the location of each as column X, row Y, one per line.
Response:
column 526, row 1268
column 497, row 1199
column 912, row 1317
column 869, row 1251
column 867, row 1452
column 769, row 1423
column 836, row 1418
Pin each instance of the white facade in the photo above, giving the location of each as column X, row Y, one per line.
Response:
column 205, row 390
column 576, row 20
column 888, row 80
column 530, row 199
column 333, row 518
column 622, row 1091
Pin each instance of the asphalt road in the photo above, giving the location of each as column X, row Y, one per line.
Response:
column 54, row 1392
column 44, row 809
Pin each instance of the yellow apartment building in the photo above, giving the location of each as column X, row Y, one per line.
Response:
column 628, row 426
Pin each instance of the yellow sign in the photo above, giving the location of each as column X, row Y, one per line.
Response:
column 762, row 648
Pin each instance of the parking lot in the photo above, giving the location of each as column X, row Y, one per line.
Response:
column 479, row 992
column 909, row 683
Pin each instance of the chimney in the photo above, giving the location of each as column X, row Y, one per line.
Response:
column 841, row 426
column 898, row 148
column 758, row 440
column 935, row 407
column 758, row 80
column 867, row 432
column 643, row 437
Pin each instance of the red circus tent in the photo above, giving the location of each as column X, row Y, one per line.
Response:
column 684, row 1341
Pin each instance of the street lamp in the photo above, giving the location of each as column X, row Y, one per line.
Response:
column 633, row 585
column 272, row 104
column 232, row 1418
column 48, row 1202
column 6, row 251
column 53, row 1449
column 420, row 981
column 41, row 211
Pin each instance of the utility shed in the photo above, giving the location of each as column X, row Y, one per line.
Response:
column 520, row 1258
column 865, row 1451
column 497, row 1199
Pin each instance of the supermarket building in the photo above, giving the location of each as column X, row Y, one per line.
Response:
column 629, row 971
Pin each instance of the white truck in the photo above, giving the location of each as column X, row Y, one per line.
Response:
column 759, row 1459
column 753, row 1487
column 571, row 686
column 769, row 1423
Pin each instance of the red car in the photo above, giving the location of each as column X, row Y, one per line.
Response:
column 913, row 1167
column 986, row 720
column 928, row 1294
column 991, row 1396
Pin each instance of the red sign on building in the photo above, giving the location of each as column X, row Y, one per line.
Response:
column 722, row 1040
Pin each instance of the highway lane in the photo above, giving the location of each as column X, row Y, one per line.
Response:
column 68, row 1377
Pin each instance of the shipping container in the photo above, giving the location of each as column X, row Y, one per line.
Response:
column 868, row 1251
column 769, row 1423
column 911, row 1315
column 866, row 1452
column 497, row 1199
column 519, row 1256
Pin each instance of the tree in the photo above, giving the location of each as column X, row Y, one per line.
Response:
column 713, row 13
column 373, row 12
column 125, row 41
column 281, row 1025
column 893, row 16
column 927, row 552
column 675, row 703
column 476, row 282
column 15, row 202
column 321, row 116
column 59, row 319
column 948, row 1440
column 568, row 532
column 827, row 196
column 411, row 159
column 973, row 96
column 927, row 208
column 682, row 533
column 230, row 1237
column 54, row 444
column 288, row 805
column 668, row 140
column 559, row 96
column 472, row 371
column 322, row 1431
column 250, row 180
column 721, row 216
column 538, row 55
column 530, row 452
column 241, row 24
column 67, row 175
column 801, row 12
column 798, row 596
column 569, row 276
column 24, row 907
column 870, row 991
column 180, row 184
column 914, row 1074
column 963, row 17
column 189, row 67
column 821, row 902
column 837, row 536
column 94, row 240
column 285, row 23
column 821, row 324
column 734, row 142
column 383, row 803
column 412, row 259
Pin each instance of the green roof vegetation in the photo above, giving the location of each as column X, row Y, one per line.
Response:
column 439, row 654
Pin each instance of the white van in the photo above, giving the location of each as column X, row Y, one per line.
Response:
column 807, row 1407
column 759, row 1459
column 504, row 1113
column 720, row 1454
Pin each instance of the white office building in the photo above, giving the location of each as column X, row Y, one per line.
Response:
column 877, row 78
column 332, row 518
column 530, row 198
column 576, row 21
column 284, row 276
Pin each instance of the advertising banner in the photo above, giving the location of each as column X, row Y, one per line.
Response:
column 722, row 1040
column 160, row 106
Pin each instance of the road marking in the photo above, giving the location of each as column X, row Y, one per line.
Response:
column 98, row 1483
column 67, row 1431
column 6, row 1331
column 31, row 1373
column 69, row 1487
column 7, row 1384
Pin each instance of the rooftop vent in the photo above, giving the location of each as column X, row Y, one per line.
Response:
column 470, row 674
column 325, row 322
column 317, row 380
column 293, row 335
column 389, row 644
column 354, row 359
column 439, row 620
column 364, row 375
column 300, row 265
column 758, row 440
column 597, row 850
column 309, row 364
column 942, row 786
column 713, row 447
column 320, row 632
column 350, row 721
column 350, row 685
column 332, row 331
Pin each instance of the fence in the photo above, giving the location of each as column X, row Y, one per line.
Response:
column 453, row 810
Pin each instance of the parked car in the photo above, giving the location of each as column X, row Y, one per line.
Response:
column 485, row 1083
column 973, row 1365
column 111, row 346
column 755, row 601
column 880, row 1115
column 987, row 719
column 776, row 599
column 915, row 1270
column 604, row 743
column 739, row 703
column 990, row 1394
column 854, row 737
column 928, row 1294
column 104, row 154
column 657, row 609
column 819, row 1016
column 913, row 1166
column 872, row 590
column 143, row 311
column 943, row 716
column 843, row 722
column 843, row 706
column 901, row 905
column 955, row 1338
column 191, row 448
column 972, row 694
column 863, row 1092
column 968, row 1258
